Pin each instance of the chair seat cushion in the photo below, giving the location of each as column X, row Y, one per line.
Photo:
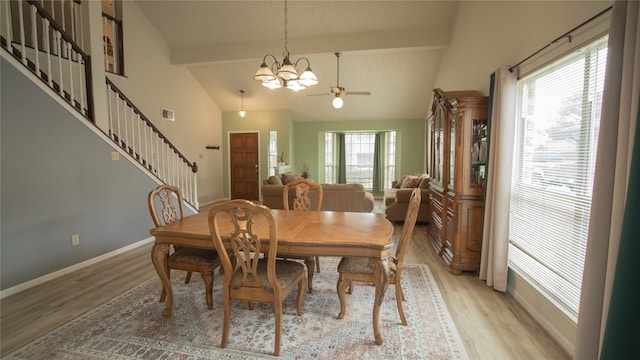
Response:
column 360, row 265
column 286, row 272
column 195, row 257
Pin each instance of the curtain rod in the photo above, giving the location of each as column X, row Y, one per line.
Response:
column 567, row 34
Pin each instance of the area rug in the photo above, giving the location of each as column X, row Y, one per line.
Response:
column 131, row 326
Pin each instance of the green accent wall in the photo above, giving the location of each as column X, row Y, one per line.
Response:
column 410, row 138
column 304, row 141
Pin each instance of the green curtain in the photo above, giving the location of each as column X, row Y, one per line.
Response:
column 622, row 332
column 342, row 159
column 377, row 164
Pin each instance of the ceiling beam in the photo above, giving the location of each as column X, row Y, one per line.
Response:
column 434, row 38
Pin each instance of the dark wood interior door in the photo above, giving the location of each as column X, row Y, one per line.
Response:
column 243, row 155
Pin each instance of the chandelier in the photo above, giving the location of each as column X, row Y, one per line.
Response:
column 286, row 73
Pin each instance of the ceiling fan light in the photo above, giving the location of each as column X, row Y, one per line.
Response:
column 264, row 73
column 337, row 102
column 308, row 78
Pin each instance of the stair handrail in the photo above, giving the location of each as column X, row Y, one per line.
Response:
column 166, row 175
column 158, row 156
column 193, row 165
column 34, row 65
column 45, row 14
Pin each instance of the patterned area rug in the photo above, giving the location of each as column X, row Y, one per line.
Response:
column 131, row 326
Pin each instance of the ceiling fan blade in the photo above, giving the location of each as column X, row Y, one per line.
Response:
column 319, row 94
column 357, row 93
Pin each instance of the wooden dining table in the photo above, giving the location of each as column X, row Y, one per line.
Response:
column 322, row 233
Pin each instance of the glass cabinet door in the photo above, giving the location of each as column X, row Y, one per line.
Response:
column 438, row 144
column 452, row 150
column 479, row 152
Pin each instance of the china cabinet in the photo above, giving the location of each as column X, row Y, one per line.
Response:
column 458, row 154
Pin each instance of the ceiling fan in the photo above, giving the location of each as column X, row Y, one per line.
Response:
column 337, row 91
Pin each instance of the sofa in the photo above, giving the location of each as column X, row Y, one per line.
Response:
column 396, row 199
column 336, row 197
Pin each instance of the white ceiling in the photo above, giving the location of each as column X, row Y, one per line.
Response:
column 390, row 48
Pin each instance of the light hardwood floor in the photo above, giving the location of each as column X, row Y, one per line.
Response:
column 491, row 324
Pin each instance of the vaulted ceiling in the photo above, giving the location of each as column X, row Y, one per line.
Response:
column 390, row 48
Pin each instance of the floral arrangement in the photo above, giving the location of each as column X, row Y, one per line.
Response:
column 305, row 171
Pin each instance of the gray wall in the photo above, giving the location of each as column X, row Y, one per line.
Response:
column 58, row 179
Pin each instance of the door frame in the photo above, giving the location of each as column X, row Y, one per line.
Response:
column 229, row 159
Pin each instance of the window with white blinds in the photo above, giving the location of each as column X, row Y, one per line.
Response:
column 552, row 181
column 273, row 151
column 359, row 157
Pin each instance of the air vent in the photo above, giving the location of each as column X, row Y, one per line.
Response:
column 168, row 115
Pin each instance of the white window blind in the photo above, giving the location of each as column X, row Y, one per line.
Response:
column 552, row 180
column 330, row 172
column 359, row 150
column 390, row 155
column 359, row 157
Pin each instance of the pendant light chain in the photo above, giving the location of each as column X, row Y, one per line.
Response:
column 286, row 37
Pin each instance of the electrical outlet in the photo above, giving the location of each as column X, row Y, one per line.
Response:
column 115, row 155
column 75, row 239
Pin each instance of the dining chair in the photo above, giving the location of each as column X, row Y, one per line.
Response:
column 302, row 201
column 357, row 269
column 262, row 279
column 168, row 199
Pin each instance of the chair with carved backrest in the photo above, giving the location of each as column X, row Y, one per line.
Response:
column 169, row 199
column 262, row 279
column 303, row 202
column 357, row 269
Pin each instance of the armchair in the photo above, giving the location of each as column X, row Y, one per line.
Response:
column 396, row 199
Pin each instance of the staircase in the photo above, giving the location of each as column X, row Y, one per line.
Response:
column 43, row 37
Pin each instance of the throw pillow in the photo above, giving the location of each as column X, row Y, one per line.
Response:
column 287, row 178
column 275, row 180
column 410, row 181
column 398, row 184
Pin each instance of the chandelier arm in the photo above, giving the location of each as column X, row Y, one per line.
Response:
column 302, row 58
column 275, row 67
column 275, row 60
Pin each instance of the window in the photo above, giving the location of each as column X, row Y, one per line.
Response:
column 112, row 36
column 552, row 181
column 273, row 152
column 390, row 168
column 330, row 173
column 359, row 154
column 359, row 148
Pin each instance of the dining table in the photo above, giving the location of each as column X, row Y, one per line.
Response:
column 322, row 233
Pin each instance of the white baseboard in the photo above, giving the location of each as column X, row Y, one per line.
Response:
column 42, row 279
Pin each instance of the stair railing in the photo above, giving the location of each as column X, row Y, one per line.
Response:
column 42, row 37
column 133, row 132
column 32, row 36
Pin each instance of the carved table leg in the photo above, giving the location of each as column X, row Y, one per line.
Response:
column 381, row 270
column 159, row 256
